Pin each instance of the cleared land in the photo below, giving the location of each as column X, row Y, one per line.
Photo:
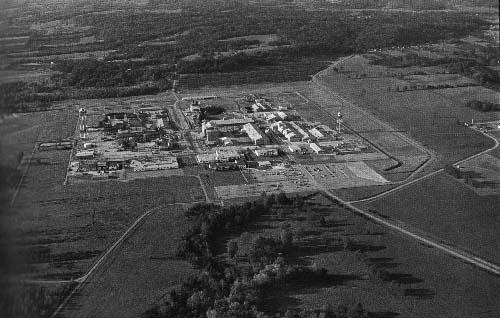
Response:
column 448, row 210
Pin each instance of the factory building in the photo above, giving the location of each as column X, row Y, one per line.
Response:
column 266, row 152
column 225, row 125
column 317, row 149
column 317, row 134
column 85, row 154
column 160, row 164
column 304, row 136
column 220, row 155
column 255, row 134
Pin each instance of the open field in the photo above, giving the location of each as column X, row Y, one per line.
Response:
column 424, row 115
column 484, row 174
column 140, row 271
column 460, row 96
column 448, row 210
column 389, row 275
column 28, row 76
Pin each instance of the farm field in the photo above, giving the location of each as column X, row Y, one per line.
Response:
column 484, row 172
column 139, row 272
column 460, row 96
column 424, row 115
column 448, row 210
column 388, row 274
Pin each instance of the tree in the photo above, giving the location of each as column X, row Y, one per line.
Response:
column 286, row 236
column 232, row 248
column 322, row 221
column 282, row 198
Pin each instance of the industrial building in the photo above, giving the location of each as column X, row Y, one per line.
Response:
column 163, row 163
column 266, row 152
column 317, row 149
column 255, row 134
column 220, row 155
column 225, row 125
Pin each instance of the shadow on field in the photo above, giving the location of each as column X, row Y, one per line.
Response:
column 383, row 314
column 276, row 301
column 399, row 278
column 383, row 262
column 363, row 247
column 422, row 293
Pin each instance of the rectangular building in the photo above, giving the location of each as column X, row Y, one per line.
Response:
column 255, row 134
column 266, row 152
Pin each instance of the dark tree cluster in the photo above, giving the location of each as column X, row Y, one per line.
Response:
column 94, row 73
column 226, row 289
column 483, row 106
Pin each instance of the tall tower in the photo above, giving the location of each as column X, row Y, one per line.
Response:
column 339, row 122
column 82, row 123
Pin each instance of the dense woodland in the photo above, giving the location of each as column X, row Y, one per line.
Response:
column 197, row 29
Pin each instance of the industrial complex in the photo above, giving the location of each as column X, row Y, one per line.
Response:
column 261, row 135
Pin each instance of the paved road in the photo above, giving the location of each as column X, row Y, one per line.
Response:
column 137, row 273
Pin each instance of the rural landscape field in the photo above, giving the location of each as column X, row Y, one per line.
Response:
column 249, row 158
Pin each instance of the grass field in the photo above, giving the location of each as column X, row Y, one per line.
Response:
column 389, row 274
column 445, row 208
column 139, row 273
column 460, row 96
column 425, row 116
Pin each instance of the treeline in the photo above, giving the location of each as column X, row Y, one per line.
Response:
column 30, row 97
column 216, row 64
column 94, row 73
column 483, row 106
column 225, row 288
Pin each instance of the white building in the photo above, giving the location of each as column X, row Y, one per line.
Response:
column 304, row 135
column 266, row 152
column 159, row 164
column 85, row 154
column 318, row 135
column 316, row 148
column 255, row 134
column 221, row 155
column 232, row 124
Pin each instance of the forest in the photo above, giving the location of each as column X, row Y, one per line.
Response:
column 201, row 31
